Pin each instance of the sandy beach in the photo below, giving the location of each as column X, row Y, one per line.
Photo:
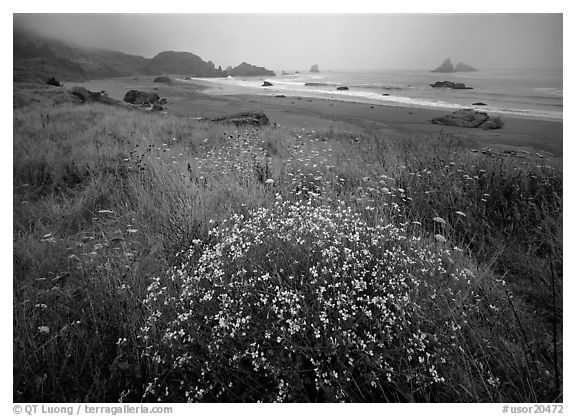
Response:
column 191, row 100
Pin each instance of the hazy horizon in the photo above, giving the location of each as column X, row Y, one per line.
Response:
column 333, row 41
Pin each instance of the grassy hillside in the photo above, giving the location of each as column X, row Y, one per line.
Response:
column 162, row 258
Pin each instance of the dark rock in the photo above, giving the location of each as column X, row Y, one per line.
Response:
column 280, row 96
column 492, row 123
column 342, row 88
column 187, row 78
column 450, row 84
column 386, row 95
column 316, row 84
column 247, row 118
column 445, row 67
column 469, row 118
column 462, row 67
column 314, row 68
column 267, row 84
column 156, row 107
column 163, row 101
column 479, row 103
column 53, row 81
column 84, row 96
column 164, row 80
column 248, row 70
column 141, row 97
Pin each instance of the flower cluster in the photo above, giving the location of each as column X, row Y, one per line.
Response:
column 301, row 302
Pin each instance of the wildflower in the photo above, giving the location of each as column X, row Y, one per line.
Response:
column 44, row 329
column 461, row 213
column 439, row 220
column 269, row 181
column 469, row 273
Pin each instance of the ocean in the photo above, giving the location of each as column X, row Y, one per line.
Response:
column 534, row 94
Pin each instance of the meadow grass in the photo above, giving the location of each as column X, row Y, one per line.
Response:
column 163, row 258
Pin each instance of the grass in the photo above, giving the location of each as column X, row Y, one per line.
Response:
column 161, row 258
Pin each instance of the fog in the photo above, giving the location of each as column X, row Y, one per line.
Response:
column 344, row 41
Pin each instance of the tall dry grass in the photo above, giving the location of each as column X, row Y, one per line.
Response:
column 106, row 201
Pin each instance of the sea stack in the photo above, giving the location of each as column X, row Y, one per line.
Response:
column 462, row 67
column 248, row 70
column 445, row 67
column 314, row 68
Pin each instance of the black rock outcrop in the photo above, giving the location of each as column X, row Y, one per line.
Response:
column 82, row 95
column 141, row 97
column 342, row 88
column 450, row 84
column 53, row 81
column 469, row 118
column 164, row 80
column 252, row 118
column 267, row 84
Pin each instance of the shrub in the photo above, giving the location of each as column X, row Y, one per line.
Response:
column 304, row 303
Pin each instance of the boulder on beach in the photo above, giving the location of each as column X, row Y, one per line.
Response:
column 141, row 97
column 267, row 84
column 280, row 96
column 54, row 82
column 164, row 80
column 342, row 88
column 492, row 123
column 479, row 103
column 469, row 118
column 450, row 84
column 314, row 68
column 253, row 118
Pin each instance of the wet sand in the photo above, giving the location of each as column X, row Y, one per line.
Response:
column 189, row 99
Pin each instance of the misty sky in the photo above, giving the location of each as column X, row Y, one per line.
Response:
column 345, row 41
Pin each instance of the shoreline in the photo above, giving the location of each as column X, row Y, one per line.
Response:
column 218, row 88
column 189, row 99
